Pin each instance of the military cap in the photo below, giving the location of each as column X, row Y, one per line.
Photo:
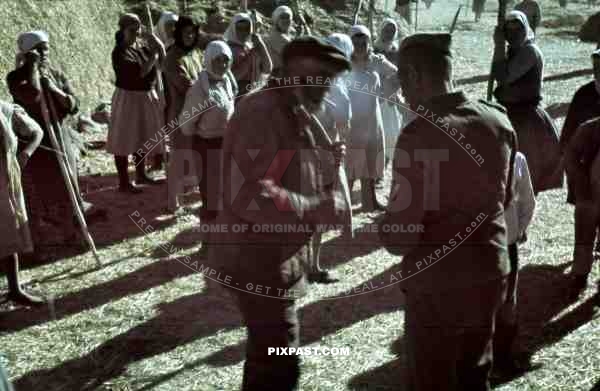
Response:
column 435, row 44
column 317, row 48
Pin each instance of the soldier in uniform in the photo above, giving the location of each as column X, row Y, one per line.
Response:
column 270, row 155
column 451, row 173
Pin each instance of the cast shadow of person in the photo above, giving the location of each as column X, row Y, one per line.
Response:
column 325, row 317
column 542, row 296
column 149, row 276
column 178, row 323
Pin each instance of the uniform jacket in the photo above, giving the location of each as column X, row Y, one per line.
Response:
column 453, row 179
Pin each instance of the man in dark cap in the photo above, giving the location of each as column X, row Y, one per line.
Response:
column 452, row 169
column 270, row 155
column 584, row 106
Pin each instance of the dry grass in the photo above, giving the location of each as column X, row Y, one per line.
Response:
column 146, row 322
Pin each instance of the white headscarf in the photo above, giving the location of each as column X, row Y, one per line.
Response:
column 389, row 45
column 165, row 18
column 213, row 50
column 26, row 42
column 522, row 19
column 280, row 11
column 359, row 29
column 278, row 40
column 231, row 32
column 342, row 42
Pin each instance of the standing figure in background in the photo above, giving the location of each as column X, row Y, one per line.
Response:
column 519, row 71
column 518, row 214
column 533, row 11
column 215, row 22
column 281, row 34
column 366, row 159
column 335, row 116
column 388, row 44
column 251, row 60
column 584, row 106
column 181, row 69
column 165, row 28
column 136, row 109
column 581, row 163
column 478, row 8
column 404, row 9
column 216, row 87
column 46, row 192
column 15, row 237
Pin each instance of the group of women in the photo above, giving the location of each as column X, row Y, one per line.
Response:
column 195, row 68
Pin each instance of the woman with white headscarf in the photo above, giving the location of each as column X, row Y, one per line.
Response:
column 251, row 59
column 281, row 34
column 48, row 199
column 165, row 28
column 216, row 89
column 367, row 146
column 392, row 111
column 518, row 72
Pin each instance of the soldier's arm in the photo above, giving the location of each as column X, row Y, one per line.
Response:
column 407, row 198
column 249, row 170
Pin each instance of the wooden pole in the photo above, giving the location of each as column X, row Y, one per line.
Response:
column 52, row 125
column 416, row 16
column 371, row 12
column 501, row 17
column 357, row 11
column 455, row 20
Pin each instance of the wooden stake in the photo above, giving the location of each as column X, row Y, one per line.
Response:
column 501, row 17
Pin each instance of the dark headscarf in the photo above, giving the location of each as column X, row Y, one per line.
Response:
column 183, row 22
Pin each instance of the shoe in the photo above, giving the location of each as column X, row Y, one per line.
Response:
column 147, row 180
column 26, row 299
column 130, row 188
column 321, row 277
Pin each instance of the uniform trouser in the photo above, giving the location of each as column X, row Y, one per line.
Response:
column 507, row 316
column 587, row 219
column 449, row 337
column 271, row 322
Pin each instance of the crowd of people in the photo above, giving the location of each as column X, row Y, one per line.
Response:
column 265, row 144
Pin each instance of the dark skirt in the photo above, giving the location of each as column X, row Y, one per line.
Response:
column 538, row 141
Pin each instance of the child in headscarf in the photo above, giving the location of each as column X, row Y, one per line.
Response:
column 15, row 237
column 181, row 69
column 366, row 159
column 137, row 113
column 165, row 28
column 281, row 34
column 251, row 59
column 217, row 88
column 519, row 75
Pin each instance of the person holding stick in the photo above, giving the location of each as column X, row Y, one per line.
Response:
column 46, row 193
column 281, row 34
column 251, row 59
column 136, row 110
column 518, row 72
column 15, row 236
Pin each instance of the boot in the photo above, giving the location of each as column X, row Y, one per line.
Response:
column 122, row 163
column 141, row 177
column 16, row 292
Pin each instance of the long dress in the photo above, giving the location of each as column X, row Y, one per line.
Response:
column 46, row 194
column 366, row 157
column 15, row 236
column 536, row 132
